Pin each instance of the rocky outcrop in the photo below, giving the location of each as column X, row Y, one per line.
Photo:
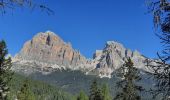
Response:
column 114, row 55
column 51, row 49
column 48, row 52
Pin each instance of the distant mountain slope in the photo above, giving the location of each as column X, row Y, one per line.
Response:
column 47, row 52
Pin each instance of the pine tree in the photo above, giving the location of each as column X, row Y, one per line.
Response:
column 82, row 96
column 106, row 92
column 95, row 92
column 5, row 72
column 25, row 93
column 129, row 89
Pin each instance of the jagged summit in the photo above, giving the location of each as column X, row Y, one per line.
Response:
column 47, row 33
column 47, row 51
column 50, row 48
column 113, row 43
column 47, row 37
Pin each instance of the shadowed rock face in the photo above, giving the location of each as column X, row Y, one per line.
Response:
column 48, row 51
column 50, row 48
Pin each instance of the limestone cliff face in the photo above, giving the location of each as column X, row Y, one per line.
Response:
column 114, row 55
column 49, row 48
column 48, row 52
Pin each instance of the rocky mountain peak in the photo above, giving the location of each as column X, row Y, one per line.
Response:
column 114, row 44
column 118, row 48
column 47, row 38
column 47, row 50
column 50, row 48
column 113, row 56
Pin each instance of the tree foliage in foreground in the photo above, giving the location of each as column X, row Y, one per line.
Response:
column 130, row 76
column 106, row 92
column 25, row 93
column 95, row 92
column 82, row 96
column 5, row 72
column 6, row 5
column 161, row 70
column 39, row 90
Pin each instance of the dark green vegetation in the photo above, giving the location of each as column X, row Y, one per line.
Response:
column 5, row 73
column 82, row 96
column 75, row 81
column 95, row 92
column 27, row 89
column 129, row 89
column 106, row 92
column 99, row 93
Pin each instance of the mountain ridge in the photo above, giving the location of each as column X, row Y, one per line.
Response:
column 49, row 52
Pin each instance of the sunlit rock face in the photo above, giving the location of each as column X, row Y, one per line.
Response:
column 47, row 52
column 113, row 56
column 49, row 48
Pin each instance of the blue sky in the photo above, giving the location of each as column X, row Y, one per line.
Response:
column 87, row 24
